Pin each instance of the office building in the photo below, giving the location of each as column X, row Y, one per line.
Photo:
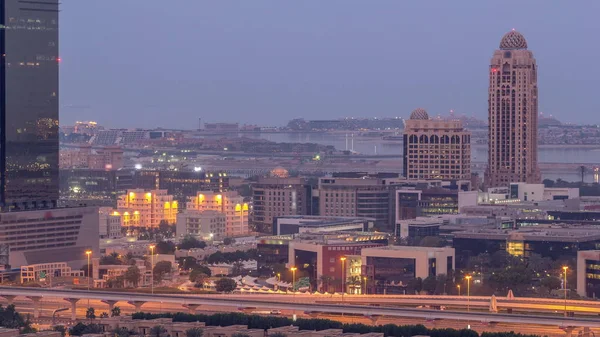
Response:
column 44, row 271
column 206, row 225
column 110, row 223
column 93, row 187
column 588, row 273
column 395, row 264
column 556, row 243
column 436, row 149
column 146, row 208
column 513, row 114
column 358, row 195
column 50, row 235
column 274, row 197
column 29, row 104
column 229, row 203
column 320, row 224
column 181, row 184
column 103, row 158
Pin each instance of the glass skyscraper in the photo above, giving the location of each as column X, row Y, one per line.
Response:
column 29, row 104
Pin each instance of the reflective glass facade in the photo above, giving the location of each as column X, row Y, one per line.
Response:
column 29, row 104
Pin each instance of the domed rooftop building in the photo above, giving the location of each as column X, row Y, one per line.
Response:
column 419, row 113
column 280, row 172
column 513, row 40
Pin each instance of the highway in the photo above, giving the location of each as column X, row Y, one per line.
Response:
column 48, row 305
column 297, row 304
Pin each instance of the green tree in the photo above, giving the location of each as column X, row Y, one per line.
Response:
column 190, row 241
column 429, row 284
column 165, row 247
column 60, row 328
column 84, row 329
column 240, row 334
column 200, row 271
column 415, row 285
column 133, row 275
column 225, row 284
column 115, row 311
column 158, row 331
column 278, row 334
column 161, row 269
column 237, row 268
column 551, row 283
column 90, row 314
column 111, row 259
column 194, row 332
column 121, row 332
column 188, row 263
column 432, row 241
column 215, row 258
column 198, row 279
column 228, row 241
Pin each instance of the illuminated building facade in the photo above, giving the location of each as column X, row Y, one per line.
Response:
column 146, row 208
column 436, row 149
column 105, row 158
column 29, row 104
column 229, row 203
column 513, row 114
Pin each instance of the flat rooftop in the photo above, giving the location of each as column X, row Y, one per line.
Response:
column 580, row 234
column 413, row 248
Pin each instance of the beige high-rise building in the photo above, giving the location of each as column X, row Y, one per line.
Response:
column 436, row 149
column 229, row 203
column 513, row 114
column 146, row 208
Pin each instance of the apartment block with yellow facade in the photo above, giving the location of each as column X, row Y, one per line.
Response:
column 229, row 203
column 146, row 208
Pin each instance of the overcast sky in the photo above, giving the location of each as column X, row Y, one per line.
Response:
column 150, row 63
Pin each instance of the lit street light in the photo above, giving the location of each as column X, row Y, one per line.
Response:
column 458, row 286
column 89, row 255
column 366, row 279
column 565, row 268
column 293, row 269
column 343, row 260
column 468, row 278
column 152, row 268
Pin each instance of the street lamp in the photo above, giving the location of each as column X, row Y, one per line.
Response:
column 89, row 255
column 293, row 269
column 152, row 268
column 468, row 277
column 278, row 277
column 365, row 279
column 565, row 268
column 458, row 286
column 343, row 260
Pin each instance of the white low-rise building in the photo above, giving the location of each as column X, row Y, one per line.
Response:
column 208, row 224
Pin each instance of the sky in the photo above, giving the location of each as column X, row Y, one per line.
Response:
column 167, row 63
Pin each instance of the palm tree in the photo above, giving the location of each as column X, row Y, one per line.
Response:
column 194, row 332
column 158, row 331
column 325, row 282
column 115, row 311
column 237, row 268
column 90, row 313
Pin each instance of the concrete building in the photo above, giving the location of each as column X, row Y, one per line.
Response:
column 229, row 203
column 588, row 273
column 207, row 224
column 181, row 184
column 358, row 195
column 320, row 224
column 416, row 229
column 274, row 197
column 146, row 208
column 38, row 272
column 51, row 235
column 396, row 262
column 513, row 114
column 110, row 223
column 412, row 203
column 316, row 258
column 436, row 149
column 103, row 158
column 555, row 242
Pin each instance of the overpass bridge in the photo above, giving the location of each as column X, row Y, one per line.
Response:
column 300, row 303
